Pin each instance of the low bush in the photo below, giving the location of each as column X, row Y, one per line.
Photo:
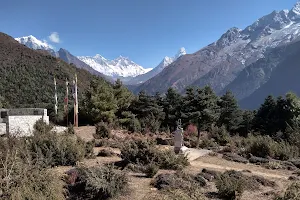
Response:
column 70, row 129
column 145, row 152
column 207, row 143
column 89, row 149
column 56, row 149
column 230, row 185
column 21, row 177
column 292, row 192
column 264, row 146
column 98, row 183
column 199, row 178
column 151, row 170
column 102, row 131
column 108, row 143
column 220, row 135
column 106, row 153
column 178, row 186
column 41, row 127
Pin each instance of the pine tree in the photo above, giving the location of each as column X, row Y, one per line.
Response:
column 172, row 104
column 200, row 108
column 124, row 99
column 230, row 114
column 265, row 118
column 147, row 110
column 99, row 102
column 246, row 124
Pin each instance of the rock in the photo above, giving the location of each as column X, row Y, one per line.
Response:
column 294, row 178
column 296, row 162
column 72, row 176
column 258, row 160
column 289, row 165
column 235, row 158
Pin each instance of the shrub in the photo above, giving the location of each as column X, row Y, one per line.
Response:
column 70, row 129
column 207, row 143
column 106, row 153
column 220, row 135
column 230, row 185
column 151, row 170
column 108, row 143
column 41, row 127
column 102, row 131
column 200, row 180
column 21, row 179
column 99, row 183
column 292, row 192
column 191, row 130
column 178, row 186
column 264, row 146
column 134, row 125
column 56, row 149
column 145, row 152
column 89, row 149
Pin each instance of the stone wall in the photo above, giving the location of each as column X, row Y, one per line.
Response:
column 24, row 125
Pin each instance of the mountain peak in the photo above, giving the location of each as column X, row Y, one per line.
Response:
column 34, row 43
column 181, row 52
column 294, row 13
column 296, row 7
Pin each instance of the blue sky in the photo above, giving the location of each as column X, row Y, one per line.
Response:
column 143, row 30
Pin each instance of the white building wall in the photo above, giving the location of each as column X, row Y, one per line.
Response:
column 2, row 128
column 24, row 125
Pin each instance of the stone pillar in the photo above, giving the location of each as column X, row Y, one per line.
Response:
column 178, row 140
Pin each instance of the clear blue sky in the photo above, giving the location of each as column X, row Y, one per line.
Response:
column 143, row 30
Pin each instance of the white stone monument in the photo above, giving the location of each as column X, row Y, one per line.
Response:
column 178, row 139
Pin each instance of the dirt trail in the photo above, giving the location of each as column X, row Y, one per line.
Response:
column 220, row 164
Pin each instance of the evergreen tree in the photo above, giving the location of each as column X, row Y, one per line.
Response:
column 124, row 99
column 246, row 124
column 230, row 114
column 99, row 102
column 201, row 108
column 147, row 110
column 265, row 118
column 172, row 104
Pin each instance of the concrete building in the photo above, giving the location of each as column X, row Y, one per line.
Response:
column 21, row 121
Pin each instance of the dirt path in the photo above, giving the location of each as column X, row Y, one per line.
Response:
column 220, row 164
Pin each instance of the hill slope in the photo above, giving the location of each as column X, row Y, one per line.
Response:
column 26, row 75
column 278, row 75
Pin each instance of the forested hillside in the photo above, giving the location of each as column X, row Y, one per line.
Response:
column 26, row 76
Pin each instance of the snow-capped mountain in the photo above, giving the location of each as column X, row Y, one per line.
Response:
column 119, row 67
column 164, row 63
column 223, row 61
column 33, row 43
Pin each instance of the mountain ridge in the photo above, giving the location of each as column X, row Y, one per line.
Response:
column 116, row 68
column 156, row 70
column 221, row 62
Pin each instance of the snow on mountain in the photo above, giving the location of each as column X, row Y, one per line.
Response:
column 181, row 52
column 221, row 62
column 119, row 67
column 33, row 43
column 164, row 63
